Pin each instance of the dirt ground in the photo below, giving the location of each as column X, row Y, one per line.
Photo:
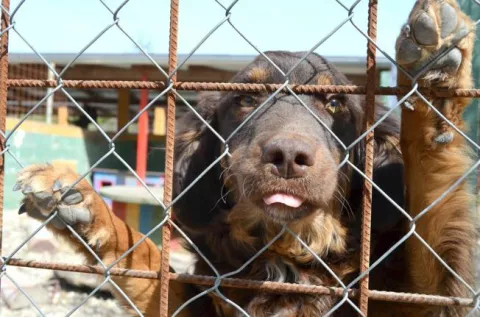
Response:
column 59, row 293
column 55, row 293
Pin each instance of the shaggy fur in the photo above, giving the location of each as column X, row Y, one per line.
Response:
column 283, row 149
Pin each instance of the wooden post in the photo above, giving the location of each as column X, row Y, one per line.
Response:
column 159, row 121
column 51, row 98
column 123, row 106
column 62, row 113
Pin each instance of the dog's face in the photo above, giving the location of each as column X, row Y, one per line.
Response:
column 284, row 159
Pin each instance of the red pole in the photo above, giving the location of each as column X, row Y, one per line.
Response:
column 142, row 136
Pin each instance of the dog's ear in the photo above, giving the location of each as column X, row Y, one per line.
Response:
column 196, row 147
column 387, row 173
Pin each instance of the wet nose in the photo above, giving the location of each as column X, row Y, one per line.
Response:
column 289, row 157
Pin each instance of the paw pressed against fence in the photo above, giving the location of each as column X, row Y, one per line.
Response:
column 266, row 172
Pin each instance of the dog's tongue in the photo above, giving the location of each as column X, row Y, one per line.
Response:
column 285, row 199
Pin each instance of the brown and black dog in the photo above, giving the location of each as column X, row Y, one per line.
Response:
column 283, row 170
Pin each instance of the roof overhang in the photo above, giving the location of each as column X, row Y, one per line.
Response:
column 351, row 65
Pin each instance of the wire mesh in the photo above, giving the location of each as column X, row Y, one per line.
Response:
column 170, row 87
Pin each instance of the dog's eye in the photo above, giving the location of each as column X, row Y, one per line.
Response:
column 334, row 105
column 247, row 101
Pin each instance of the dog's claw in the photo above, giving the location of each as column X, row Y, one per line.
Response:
column 409, row 105
column 27, row 189
column 444, row 138
column 22, row 209
column 57, row 186
column 17, row 187
column 406, row 30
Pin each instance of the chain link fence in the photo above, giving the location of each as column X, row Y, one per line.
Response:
column 170, row 87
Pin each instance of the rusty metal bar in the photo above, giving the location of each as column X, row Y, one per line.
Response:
column 274, row 287
column 5, row 21
column 169, row 152
column 282, row 288
column 201, row 86
column 369, row 120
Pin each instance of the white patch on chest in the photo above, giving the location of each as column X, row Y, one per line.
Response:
column 278, row 270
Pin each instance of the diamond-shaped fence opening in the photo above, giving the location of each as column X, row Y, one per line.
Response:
column 114, row 270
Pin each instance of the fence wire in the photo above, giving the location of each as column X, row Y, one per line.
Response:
column 170, row 87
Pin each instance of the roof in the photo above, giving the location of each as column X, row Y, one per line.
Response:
column 352, row 65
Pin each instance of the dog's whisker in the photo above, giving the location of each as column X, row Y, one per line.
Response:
column 243, row 188
column 339, row 196
column 252, row 188
column 221, row 198
column 225, row 169
column 224, row 183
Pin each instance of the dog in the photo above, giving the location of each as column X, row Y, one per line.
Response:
column 283, row 171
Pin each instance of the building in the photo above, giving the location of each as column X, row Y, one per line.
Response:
column 201, row 68
column 56, row 131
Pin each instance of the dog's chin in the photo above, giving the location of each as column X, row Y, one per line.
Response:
column 283, row 214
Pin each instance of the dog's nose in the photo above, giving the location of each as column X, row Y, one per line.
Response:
column 289, row 157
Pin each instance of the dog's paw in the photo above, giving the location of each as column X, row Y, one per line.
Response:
column 46, row 189
column 435, row 47
column 433, row 27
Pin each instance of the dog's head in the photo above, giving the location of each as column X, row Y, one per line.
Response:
column 284, row 160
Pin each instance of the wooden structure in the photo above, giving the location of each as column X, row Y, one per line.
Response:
column 123, row 104
column 113, row 109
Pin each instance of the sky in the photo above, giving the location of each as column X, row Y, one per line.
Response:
column 66, row 26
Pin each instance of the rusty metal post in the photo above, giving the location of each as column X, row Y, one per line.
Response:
column 369, row 153
column 3, row 104
column 169, row 152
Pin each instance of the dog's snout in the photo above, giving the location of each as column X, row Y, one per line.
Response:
column 289, row 157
